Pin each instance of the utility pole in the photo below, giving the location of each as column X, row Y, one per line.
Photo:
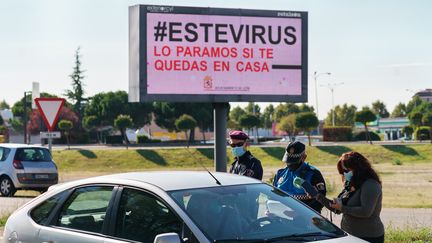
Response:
column 316, row 75
column 332, row 87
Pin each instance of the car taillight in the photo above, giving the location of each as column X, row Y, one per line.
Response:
column 17, row 164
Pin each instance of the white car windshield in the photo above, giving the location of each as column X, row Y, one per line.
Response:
column 253, row 212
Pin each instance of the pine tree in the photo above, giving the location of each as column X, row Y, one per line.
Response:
column 76, row 94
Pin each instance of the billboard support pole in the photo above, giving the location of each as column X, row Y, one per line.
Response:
column 220, row 126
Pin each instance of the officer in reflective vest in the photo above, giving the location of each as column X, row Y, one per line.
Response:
column 294, row 158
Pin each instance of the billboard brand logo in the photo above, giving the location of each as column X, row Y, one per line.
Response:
column 208, row 82
column 288, row 14
column 160, row 9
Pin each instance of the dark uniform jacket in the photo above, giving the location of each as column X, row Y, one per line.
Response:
column 284, row 180
column 247, row 165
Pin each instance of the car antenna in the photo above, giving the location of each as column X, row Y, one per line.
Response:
column 202, row 165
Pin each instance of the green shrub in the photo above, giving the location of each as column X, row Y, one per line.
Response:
column 361, row 136
column 422, row 133
column 397, row 162
column 3, row 129
column 144, row 139
column 337, row 133
column 114, row 139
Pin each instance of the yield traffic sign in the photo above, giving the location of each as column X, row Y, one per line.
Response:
column 50, row 110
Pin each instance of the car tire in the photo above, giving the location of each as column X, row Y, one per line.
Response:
column 7, row 188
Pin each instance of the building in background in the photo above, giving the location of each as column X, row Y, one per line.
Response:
column 425, row 95
column 391, row 128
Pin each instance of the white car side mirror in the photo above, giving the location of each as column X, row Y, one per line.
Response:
column 167, row 238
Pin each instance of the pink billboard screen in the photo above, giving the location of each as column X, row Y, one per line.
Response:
column 217, row 55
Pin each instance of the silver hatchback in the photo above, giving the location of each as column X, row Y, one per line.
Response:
column 26, row 167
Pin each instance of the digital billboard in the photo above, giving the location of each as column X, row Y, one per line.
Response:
column 190, row 54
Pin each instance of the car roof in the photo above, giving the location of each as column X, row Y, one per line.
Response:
column 19, row 145
column 178, row 180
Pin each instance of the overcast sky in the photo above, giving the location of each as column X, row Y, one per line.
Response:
column 378, row 49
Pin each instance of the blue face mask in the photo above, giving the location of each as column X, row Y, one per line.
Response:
column 238, row 151
column 348, row 175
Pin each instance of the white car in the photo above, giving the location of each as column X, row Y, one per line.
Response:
column 168, row 207
column 25, row 167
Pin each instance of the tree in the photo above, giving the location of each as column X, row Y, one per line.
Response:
column 76, row 94
column 166, row 114
column 184, row 123
column 66, row 126
column 415, row 118
column 90, row 123
column 106, row 107
column 122, row 122
column 414, row 103
column 285, row 109
column 1, row 121
column 4, row 105
column 268, row 116
column 364, row 116
column 18, row 107
column 408, row 131
column 400, row 110
column 379, row 108
column 203, row 114
column 249, row 121
column 306, row 108
column 427, row 121
column 17, row 125
column 36, row 124
column 306, row 122
column 253, row 108
column 236, row 113
column 344, row 116
column 287, row 124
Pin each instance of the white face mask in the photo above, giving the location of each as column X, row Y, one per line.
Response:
column 348, row 175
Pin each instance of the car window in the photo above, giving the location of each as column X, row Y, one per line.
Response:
column 40, row 214
column 86, row 209
column 33, row 154
column 142, row 216
column 251, row 211
column 4, row 153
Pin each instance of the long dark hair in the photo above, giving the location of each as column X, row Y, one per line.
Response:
column 361, row 167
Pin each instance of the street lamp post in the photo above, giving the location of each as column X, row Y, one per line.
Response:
column 332, row 87
column 316, row 75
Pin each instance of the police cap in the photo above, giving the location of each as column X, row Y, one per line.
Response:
column 293, row 152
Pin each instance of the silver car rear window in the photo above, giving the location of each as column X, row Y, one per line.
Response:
column 32, row 154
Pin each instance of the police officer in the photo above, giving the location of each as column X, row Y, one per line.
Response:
column 294, row 157
column 244, row 163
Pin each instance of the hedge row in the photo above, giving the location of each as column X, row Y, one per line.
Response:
column 345, row 133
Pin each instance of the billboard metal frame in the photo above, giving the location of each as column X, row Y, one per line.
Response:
column 138, row 55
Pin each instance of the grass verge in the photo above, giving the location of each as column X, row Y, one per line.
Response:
column 123, row 160
column 3, row 221
column 406, row 170
column 395, row 235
